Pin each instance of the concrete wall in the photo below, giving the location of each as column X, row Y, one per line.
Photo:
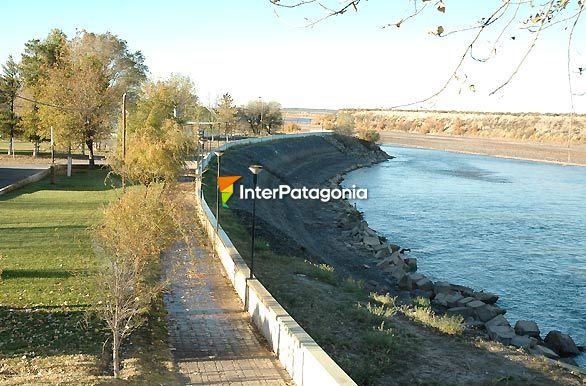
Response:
column 306, row 362
column 29, row 180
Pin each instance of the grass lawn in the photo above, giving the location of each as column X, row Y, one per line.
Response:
column 47, row 329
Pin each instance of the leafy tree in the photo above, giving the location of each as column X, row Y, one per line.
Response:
column 10, row 83
column 261, row 116
column 133, row 232
column 37, row 59
column 85, row 86
column 227, row 113
column 157, row 146
column 344, row 123
column 369, row 135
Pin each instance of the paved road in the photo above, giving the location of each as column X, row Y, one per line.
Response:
column 12, row 173
column 210, row 334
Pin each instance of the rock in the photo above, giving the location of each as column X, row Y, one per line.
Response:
column 394, row 248
column 419, row 293
column 522, row 341
column 498, row 333
column 411, row 263
column 382, row 253
column 466, row 291
column 498, row 320
column 442, row 287
column 541, row 350
column 371, row 240
column 486, row 297
column 416, row 276
column 381, row 247
column 406, row 282
column 569, row 361
column 562, row 344
column 462, row 302
column 384, row 263
column 473, row 323
column 582, row 348
column 474, row 304
column 485, row 313
column 396, row 272
column 464, row 312
column 355, row 231
column 370, row 232
column 453, row 299
column 396, row 259
column 441, row 299
column 527, row 327
column 424, row 284
column 497, row 310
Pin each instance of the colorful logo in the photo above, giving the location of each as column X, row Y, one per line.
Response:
column 226, row 186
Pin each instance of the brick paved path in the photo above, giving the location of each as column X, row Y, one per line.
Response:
column 211, row 336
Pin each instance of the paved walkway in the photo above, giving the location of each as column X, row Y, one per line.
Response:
column 10, row 174
column 210, row 334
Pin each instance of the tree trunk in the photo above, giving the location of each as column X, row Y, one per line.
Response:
column 90, row 146
column 11, row 144
column 116, row 353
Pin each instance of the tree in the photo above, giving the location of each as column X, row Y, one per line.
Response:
column 227, row 113
column 134, row 230
column 10, row 83
column 344, row 123
column 37, row 59
column 85, row 86
column 261, row 116
column 157, row 146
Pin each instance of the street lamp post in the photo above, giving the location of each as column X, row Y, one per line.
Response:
column 255, row 170
column 202, row 142
column 218, row 154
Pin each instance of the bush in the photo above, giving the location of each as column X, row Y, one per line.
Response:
column 369, row 135
column 292, row 127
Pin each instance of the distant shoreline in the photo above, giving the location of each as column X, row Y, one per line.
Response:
column 503, row 148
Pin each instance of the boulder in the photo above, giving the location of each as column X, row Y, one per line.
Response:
column 499, row 333
column 420, row 293
column 442, row 287
column 486, row 297
column 462, row 302
column 382, row 253
column 416, row 276
column 485, row 313
column 466, row 291
column 370, row 232
column 464, row 312
column 394, row 247
column 475, row 304
column 380, row 247
column 396, row 272
column 411, row 263
column 498, row 320
column 562, row 344
column 527, row 327
column 569, row 361
column 424, row 284
column 371, row 240
column 384, row 263
column 453, row 299
column 522, row 341
column 406, row 283
column 473, row 323
column 542, row 350
column 441, row 299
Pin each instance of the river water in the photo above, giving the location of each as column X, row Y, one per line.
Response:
column 515, row 228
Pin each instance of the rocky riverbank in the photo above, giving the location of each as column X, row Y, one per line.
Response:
column 478, row 309
column 334, row 233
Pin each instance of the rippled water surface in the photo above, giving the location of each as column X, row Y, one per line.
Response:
column 516, row 228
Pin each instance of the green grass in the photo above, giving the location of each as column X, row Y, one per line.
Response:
column 46, row 294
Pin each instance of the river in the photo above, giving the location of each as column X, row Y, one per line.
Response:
column 515, row 228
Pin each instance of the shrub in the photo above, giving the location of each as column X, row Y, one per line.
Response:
column 369, row 135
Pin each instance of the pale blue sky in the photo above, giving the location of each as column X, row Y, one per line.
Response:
column 242, row 47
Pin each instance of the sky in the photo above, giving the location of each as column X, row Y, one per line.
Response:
column 253, row 49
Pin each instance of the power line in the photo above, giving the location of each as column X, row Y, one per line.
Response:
column 65, row 108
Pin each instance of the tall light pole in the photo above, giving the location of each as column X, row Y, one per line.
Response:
column 261, row 125
column 203, row 150
column 218, row 155
column 255, row 170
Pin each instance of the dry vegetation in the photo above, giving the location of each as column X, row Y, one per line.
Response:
column 550, row 128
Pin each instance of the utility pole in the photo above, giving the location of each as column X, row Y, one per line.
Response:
column 52, row 156
column 124, row 143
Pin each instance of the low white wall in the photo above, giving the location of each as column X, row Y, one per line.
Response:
column 306, row 362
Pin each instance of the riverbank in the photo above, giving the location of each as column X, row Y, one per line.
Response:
column 312, row 262
column 525, row 150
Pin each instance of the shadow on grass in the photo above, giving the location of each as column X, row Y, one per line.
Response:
column 34, row 274
column 49, row 331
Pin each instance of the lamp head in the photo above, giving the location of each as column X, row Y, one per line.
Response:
column 255, row 169
column 218, row 153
